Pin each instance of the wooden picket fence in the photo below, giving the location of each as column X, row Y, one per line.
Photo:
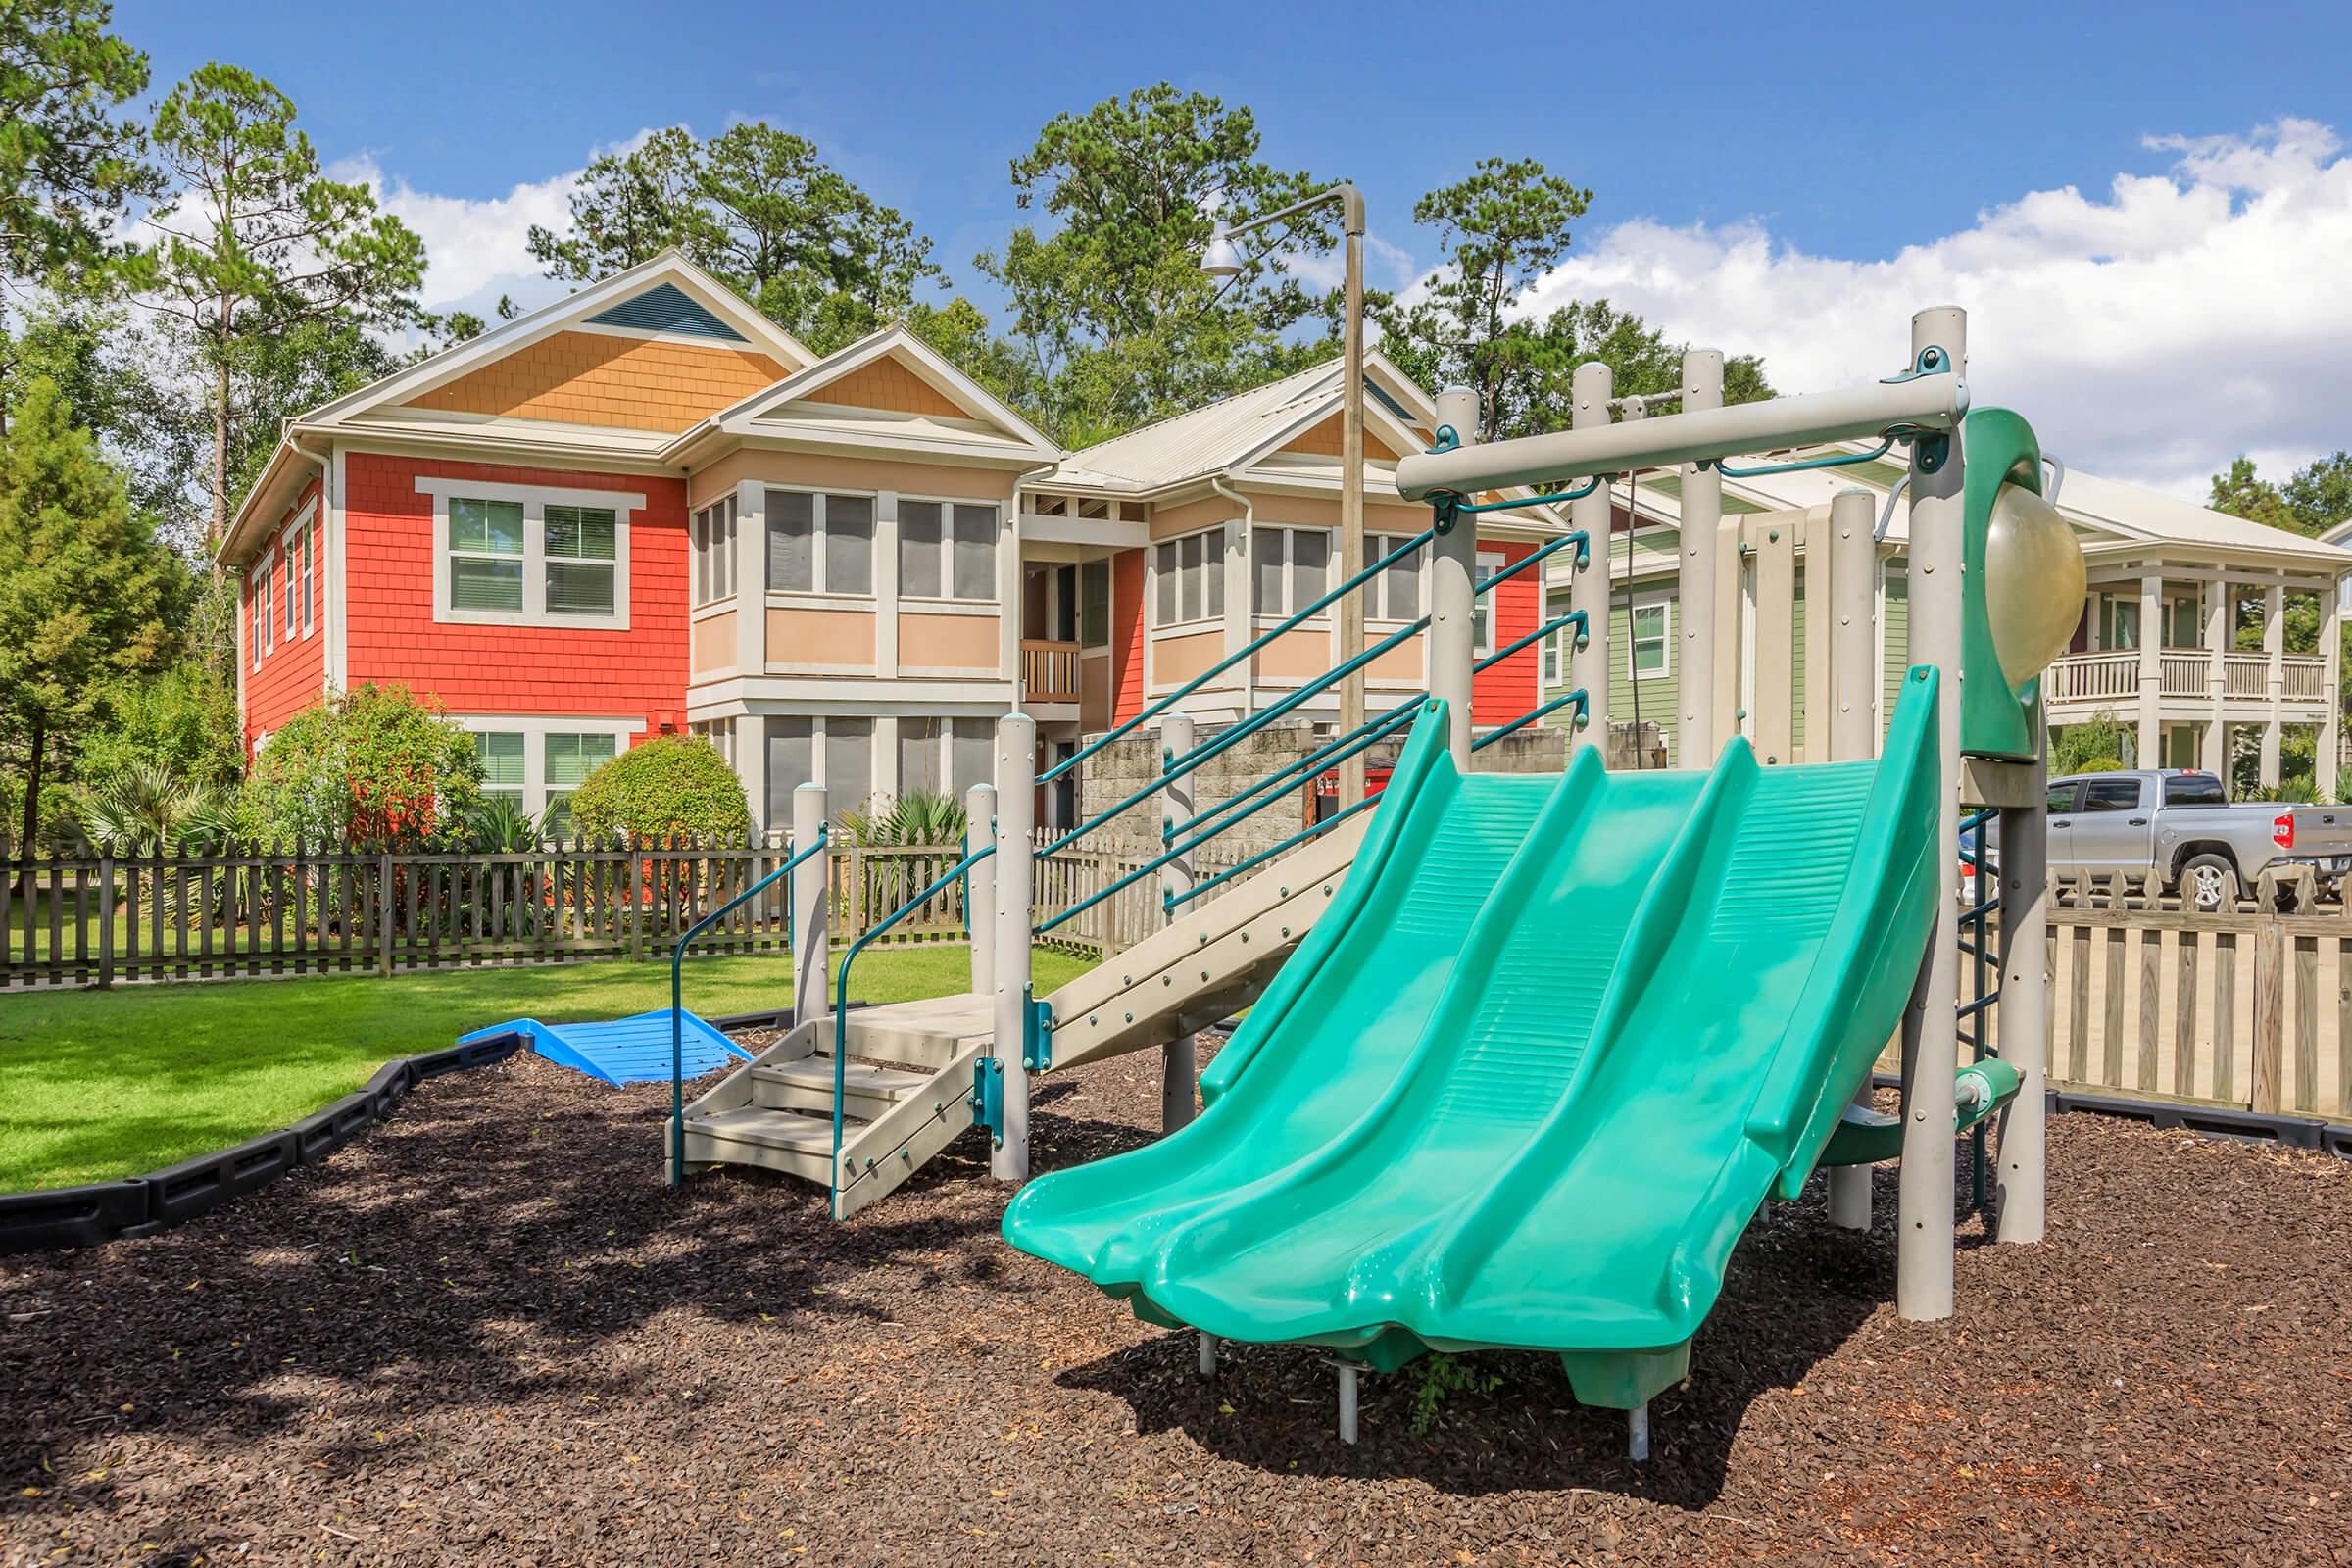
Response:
column 99, row 920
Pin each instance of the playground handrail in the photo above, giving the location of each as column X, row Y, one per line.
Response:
column 841, row 994
column 677, row 1025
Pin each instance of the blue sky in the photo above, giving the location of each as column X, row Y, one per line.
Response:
column 1829, row 136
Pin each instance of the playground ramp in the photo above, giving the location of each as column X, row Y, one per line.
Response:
column 907, row 1080
column 1527, row 1082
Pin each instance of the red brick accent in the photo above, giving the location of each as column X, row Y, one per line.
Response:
column 290, row 676
column 1126, row 635
column 388, row 556
column 1503, row 692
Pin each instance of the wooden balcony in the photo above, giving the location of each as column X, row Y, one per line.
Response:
column 2112, row 679
column 1049, row 672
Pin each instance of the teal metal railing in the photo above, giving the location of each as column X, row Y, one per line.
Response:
column 841, row 993
column 677, row 986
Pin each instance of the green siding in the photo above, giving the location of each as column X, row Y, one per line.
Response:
column 1661, row 694
column 1670, row 485
column 1898, row 643
column 1797, row 673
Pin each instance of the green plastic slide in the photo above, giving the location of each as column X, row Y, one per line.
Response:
column 1524, row 1085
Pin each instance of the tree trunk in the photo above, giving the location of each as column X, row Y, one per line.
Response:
column 32, row 817
column 220, row 452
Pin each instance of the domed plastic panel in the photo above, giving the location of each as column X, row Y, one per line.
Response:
column 2033, row 584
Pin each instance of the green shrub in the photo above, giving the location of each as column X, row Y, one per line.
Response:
column 919, row 817
column 671, row 786
column 184, row 722
column 373, row 765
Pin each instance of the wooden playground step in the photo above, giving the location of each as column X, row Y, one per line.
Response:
column 806, row 1084
column 786, row 1141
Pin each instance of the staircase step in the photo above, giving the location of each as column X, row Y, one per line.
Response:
column 806, row 1084
column 779, row 1139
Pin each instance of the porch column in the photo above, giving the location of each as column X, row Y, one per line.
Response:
column 2331, row 657
column 750, row 586
column 2214, row 754
column 2151, row 670
column 2274, row 651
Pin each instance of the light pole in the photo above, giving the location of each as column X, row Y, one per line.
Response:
column 1223, row 258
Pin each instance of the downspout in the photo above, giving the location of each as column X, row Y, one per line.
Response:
column 1248, row 508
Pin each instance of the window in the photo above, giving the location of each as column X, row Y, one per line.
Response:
column 1482, row 610
column 714, row 552
column 791, row 762
column 583, row 545
column 1396, row 594
column 293, row 611
column 720, row 733
column 256, row 613
column 819, row 543
column 2121, row 625
column 309, row 620
column 1555, row 656
column 1188, row 579
column 502, row 755
column 515, row 555
column 485, row 554
column 919, row 755
column 1647, row 647
column 947, row 551
column 2111, row 794
column 2194, row 788
column 848, row 764
column 971, row 753
column 2062, row 798
column 570, row 759
column 1289, row 568
column 1094, row 604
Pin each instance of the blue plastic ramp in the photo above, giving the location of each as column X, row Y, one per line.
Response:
column 625, row 1050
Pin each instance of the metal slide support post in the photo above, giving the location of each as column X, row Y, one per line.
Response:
column 1923, row 1287
column 1016, row 847
column 980, row 885
column 1452, row 641
column 2024, row 1017
column 1588, row 665
column 811, row 894
column 1853, row 565
column 1694, row 739
column 1351, row 486
column 1179, row 1066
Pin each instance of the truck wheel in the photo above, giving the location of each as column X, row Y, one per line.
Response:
column 2208, row 883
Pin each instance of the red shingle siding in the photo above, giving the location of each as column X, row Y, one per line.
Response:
column 388, row 554
column 1503, row 692
column 291, row 674
column 1126, row 635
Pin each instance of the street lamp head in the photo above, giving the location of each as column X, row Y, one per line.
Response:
column 1223, row 258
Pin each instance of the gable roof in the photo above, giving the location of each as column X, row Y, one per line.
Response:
column 954, row 416
column 1236, row 431
column 665, row 308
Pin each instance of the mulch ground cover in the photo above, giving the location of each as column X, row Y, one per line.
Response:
column 487, row 1333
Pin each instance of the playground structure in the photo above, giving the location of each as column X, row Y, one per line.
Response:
column 1629, row 1007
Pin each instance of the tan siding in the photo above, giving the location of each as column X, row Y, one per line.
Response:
column 714, row 642
column 1176, row 659
column 949, row 642
column 1295, row 656
column 1325, row 440
column 597, row 379
column 891, row 386
column 811, row 471
column 820, row 637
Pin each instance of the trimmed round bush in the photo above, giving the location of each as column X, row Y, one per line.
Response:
column 670, row 787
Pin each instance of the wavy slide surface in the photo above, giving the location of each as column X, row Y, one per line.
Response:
column 1525, row 1084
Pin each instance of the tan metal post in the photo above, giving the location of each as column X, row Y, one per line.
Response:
column 1923, row 1250
column 1452, row 642
column 1694, row 739
column 1351, row 494
column 1853, row 570
column 980, row 885
column 2024, row 1018
column 1016, row 849
column 1588, row 666
column 1179, row 1067
column 811, row 905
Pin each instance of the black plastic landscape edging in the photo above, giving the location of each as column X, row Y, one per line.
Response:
column 2214, row 1121
column 141, row 1206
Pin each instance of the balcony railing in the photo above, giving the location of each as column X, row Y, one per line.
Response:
column 1049, row 672
column 2114, row 676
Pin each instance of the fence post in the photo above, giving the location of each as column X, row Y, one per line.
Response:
column 1016, row 850
column 106, row 920
column 811, row 905
column 383, row 913
column 2270, row 1011
column 1452, row 641
column 1853, row 567
column 980, row 885
column 1179, row 1062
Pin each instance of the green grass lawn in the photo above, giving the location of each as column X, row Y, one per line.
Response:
column 100, row 1084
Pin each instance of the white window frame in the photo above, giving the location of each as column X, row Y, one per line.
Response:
column 535, row 500
column 1665, row 639
column 713, row 557
column 947, row 550
column 1488, row 563
column 1212, row 579
column 305, row 533
column 1292, row 602
column 1378, row 546
column 265, row 606
column 817, row 568
column 534, row 728
column 1555, row 646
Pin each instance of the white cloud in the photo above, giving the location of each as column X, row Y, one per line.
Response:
column 475, row 250
column 2150, row 335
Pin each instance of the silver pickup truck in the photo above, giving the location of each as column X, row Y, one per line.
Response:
column 2180, row 826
